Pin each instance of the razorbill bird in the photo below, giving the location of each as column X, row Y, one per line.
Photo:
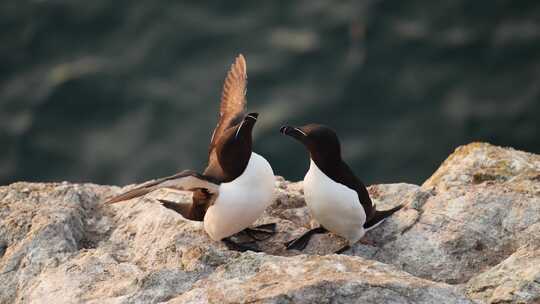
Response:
column 337, row 199
column 237, row 184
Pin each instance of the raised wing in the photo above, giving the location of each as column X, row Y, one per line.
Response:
column 185, row 180
column 233, row 99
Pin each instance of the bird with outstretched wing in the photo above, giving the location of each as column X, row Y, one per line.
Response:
column 203, row 186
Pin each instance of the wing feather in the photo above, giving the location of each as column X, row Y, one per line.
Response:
column 184, row 180
column 233, row 98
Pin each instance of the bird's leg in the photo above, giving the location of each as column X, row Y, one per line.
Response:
column 267, row 229
column 301, row 242
column 232, row 245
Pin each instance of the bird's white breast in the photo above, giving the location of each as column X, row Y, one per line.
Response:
column 335, row 206
column 241, row 201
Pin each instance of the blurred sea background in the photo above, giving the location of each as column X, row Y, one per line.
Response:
column 118, row 92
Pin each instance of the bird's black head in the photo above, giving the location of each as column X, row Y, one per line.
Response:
column 321, row 141
column 234, row 148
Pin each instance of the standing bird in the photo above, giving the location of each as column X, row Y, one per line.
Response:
column 336, row 198
column 237, row 184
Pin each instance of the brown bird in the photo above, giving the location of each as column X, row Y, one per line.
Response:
column 237, row 184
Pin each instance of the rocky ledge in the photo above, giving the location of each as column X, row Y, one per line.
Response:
column 469, row 234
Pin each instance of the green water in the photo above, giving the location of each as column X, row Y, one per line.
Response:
column 117, row 92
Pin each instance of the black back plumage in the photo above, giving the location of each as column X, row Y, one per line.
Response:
column 325, row 150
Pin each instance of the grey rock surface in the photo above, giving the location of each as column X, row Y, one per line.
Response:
column 260, row 278
column 469, row 234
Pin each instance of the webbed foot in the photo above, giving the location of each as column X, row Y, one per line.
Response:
column 301, row 242
column 232, row 245
column 267, row 230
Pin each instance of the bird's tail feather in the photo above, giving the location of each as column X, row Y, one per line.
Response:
column 379, row 216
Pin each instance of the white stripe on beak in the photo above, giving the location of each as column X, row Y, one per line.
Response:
column 303, row 133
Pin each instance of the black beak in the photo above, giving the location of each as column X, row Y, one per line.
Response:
column 292, row 132
column 246, row 126
column 252, row 116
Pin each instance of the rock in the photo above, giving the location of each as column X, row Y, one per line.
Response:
column 457, row 225
column 515, row 280
column 261, row 278
column 62, row 245
column 470, row 233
